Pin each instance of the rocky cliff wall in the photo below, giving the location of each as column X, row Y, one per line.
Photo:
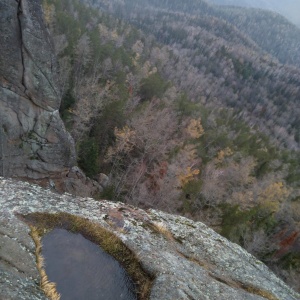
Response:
column 34, row 143
column 33, row 139
column 187, row 259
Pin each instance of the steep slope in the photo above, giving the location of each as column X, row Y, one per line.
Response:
column 268, row 29
column 114, row 91
column 231, row 54
column 34, row 142
column 290, row 9
column 187, row 259
column 199, row 153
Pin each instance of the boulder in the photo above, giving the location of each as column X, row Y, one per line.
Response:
column 103, row 180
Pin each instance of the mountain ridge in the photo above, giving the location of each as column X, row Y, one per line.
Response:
column 290, row 9
column 175, row 108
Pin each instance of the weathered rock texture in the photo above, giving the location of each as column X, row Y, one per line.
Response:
column 187, row 259
column 33, row 141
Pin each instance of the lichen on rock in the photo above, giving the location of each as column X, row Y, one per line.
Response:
column 187, row 259
column 34, row 144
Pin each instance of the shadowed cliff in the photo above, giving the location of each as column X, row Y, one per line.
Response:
column 34, row 143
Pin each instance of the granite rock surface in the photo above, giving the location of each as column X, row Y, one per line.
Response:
column 187, row 259
column 33, row 140
column 34, row 144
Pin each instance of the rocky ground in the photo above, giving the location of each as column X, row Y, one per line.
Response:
column 187, row 259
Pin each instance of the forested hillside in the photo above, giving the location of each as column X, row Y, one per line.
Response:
column 235, row 66
column 271, row 31
column 185, row 113
column 289, row 8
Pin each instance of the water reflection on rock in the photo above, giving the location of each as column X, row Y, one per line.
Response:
column 82, row 270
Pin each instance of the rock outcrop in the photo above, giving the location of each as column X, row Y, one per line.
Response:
column 187, row 259
column 34, row 144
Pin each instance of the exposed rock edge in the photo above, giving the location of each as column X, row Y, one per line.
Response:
column 188, row 259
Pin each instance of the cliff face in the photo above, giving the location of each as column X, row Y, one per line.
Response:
column 33, row 140
column 186, row 259
column 34, row 143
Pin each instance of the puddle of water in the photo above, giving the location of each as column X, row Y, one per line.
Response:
column 82, row 270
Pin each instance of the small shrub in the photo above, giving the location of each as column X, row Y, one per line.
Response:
column 88, row 156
